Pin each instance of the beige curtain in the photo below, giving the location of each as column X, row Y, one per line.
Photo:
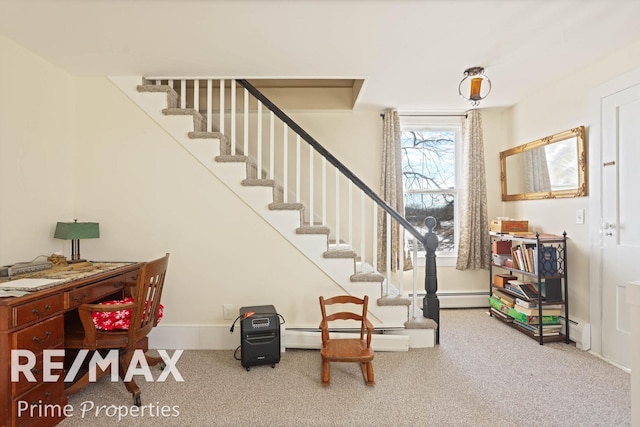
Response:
column 392, row 192
column 536, row 172
column 473, row 247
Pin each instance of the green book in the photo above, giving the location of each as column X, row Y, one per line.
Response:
column 546, row 320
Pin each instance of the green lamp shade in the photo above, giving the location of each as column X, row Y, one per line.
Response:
column 77, row 230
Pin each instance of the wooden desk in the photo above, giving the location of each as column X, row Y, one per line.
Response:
column 35, row 322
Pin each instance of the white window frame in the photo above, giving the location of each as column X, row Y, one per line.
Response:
column 414, row 121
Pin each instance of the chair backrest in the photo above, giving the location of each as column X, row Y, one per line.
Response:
column 359, row 313
column 147, row 295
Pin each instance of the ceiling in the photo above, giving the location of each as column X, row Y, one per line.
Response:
column 411, row 54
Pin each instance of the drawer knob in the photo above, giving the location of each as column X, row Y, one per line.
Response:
column 37, row 313
column 84, row 295
column 46, row 336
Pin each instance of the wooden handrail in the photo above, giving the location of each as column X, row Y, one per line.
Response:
column 332, row 159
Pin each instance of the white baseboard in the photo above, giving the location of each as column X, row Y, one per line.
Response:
column 463, row 299
column 173, row 337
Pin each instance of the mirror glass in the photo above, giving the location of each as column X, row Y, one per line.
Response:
column 547, row 168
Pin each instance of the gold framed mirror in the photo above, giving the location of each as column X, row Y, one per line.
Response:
column 548, row 168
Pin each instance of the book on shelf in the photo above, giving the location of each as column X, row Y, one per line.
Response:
column 498, row 305
column 524, row 318
column 534, row 304
column 533, row 311
column 501, row 315
column 547, row 330
column 506, row 299
column 523, row 289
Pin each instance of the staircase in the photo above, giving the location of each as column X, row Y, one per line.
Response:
column 268, row 174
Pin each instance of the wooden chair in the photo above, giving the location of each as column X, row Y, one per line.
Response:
column 144, row 316
column 358, row 349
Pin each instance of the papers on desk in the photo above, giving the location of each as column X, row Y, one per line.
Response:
column 28, row 284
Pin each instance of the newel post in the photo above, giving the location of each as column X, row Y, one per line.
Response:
column 430, row 303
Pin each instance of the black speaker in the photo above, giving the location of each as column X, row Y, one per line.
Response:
column 260, row 336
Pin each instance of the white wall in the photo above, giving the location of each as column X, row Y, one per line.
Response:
column 36, row 154
column 559, row 107
column 151, row 197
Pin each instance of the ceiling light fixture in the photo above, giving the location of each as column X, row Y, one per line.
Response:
column 471, row 84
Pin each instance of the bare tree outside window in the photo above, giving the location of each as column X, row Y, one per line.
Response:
column 428, row 167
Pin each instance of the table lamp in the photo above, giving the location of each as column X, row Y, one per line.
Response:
column 75, row 231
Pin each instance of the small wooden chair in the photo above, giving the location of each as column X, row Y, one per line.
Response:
column 144, row 316
column 358, row 349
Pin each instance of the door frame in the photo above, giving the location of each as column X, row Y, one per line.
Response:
column 596, row 96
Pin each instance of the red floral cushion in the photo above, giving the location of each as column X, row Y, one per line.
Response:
column 112, row 320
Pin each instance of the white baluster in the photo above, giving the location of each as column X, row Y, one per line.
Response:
column 324, row 191
column 196, row 95
column 362, row 229
column 259, row 137
column 388, row 233
column 222, row 106
column 285, row 160
column 297, row 168
column 209, row 105
column 375, row 236
column 401, row 258
column 350, row 219
column 311, row 213
column 337, row 191
column 415, row 277
column 245, row 147
column 183, row 91
column 272, row 144
column 233, row 117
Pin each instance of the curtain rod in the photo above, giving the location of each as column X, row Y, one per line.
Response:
column 429, row 115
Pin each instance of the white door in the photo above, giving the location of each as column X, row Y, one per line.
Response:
column 620, row 257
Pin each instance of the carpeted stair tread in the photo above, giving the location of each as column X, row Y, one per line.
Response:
column 172, row 95
column 367, row 277
column 339, row 254
column 394, row 300
column 228, row 158
column 420, row 323
column 254, row 182
column 286, row 206
column 313, row 229
column 199, row 122
column 204, row 134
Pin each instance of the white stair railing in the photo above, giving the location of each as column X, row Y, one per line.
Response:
column 290, row 175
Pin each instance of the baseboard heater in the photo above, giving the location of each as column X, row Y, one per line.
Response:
column 579, row 332
column 460, row 299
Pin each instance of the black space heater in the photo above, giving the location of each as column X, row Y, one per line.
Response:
column 260, row 336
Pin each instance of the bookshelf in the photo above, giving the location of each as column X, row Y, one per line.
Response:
column 528, row 284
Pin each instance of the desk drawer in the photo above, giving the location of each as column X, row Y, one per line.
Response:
column 37, row 310
column 93, row 292
column 23, row 384
column 47, row 334
column 48, row 400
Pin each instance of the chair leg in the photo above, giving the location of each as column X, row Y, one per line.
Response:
column 153, row 361
column 132, row 387
column 367, row 373
column 326, row 372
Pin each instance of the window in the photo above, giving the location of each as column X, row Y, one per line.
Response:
column 430, row 154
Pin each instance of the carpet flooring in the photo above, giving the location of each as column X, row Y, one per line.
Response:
column 483, row 373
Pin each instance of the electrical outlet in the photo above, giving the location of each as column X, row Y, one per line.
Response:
column 227, row 311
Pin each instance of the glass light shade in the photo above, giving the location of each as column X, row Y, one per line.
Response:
column 475, row 86
column 77, row 230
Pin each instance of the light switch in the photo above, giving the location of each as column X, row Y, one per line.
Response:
column 579, row 216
